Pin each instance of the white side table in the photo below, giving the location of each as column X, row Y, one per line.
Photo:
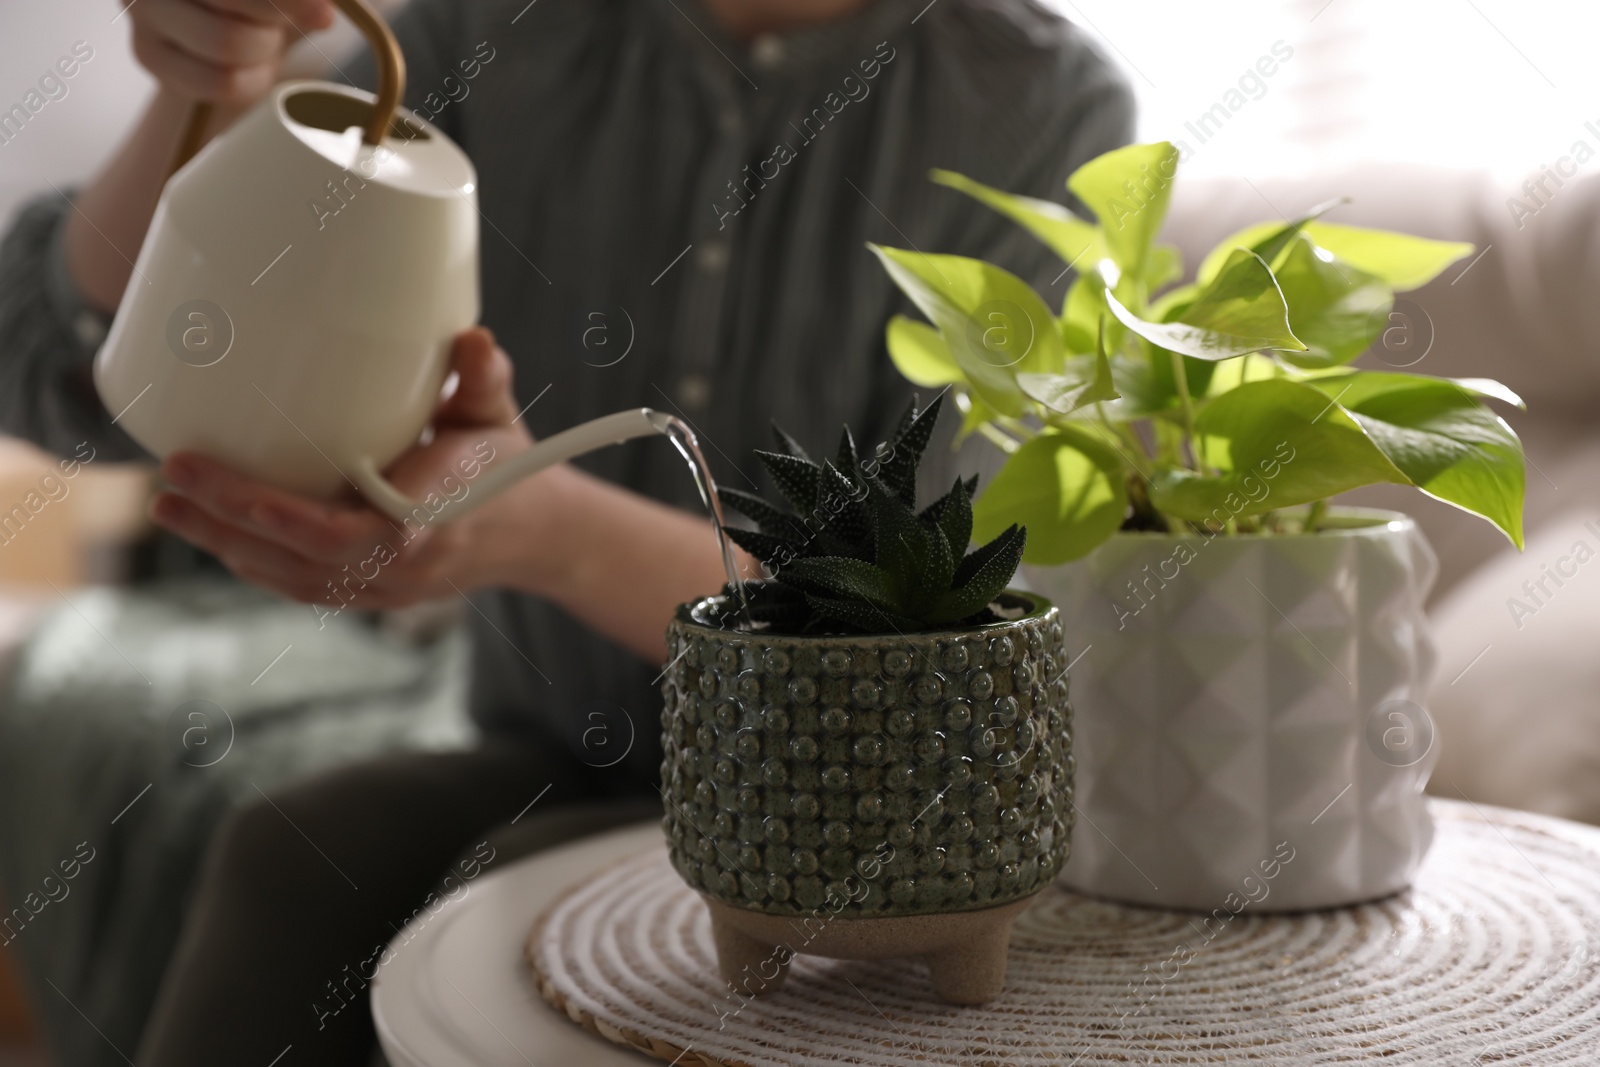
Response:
column 458, row 992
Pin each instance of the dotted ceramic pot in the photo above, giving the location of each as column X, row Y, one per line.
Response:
column 883, row 777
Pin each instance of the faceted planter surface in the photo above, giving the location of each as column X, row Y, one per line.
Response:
column 856, row 783
column 1250, row 726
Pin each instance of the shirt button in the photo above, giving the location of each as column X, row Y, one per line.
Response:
column 713, row 256
column 730, row 122
column 90, row 330
column 694, row 391
column 767, row 52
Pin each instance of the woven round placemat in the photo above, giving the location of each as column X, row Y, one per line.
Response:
column 1490, row 958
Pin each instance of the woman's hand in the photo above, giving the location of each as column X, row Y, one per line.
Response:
column 612, row 559
column 224, row 51
column 348, row 554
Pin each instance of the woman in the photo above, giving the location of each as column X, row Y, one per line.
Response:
column 695, row 179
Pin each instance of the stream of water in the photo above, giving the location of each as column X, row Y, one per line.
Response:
column 683, row 439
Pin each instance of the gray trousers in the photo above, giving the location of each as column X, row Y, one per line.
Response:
column 299, row 893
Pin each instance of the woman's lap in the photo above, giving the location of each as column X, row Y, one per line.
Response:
column 302, row 890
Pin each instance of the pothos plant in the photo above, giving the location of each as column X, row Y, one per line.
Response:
column 1209, row 406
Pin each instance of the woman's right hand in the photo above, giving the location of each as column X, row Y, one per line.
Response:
column 223, row 51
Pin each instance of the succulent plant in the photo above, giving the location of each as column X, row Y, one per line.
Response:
column 851, row 553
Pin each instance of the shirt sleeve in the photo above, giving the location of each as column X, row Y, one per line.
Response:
column 48, row 338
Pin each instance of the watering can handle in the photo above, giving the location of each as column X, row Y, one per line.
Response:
column 391, row 85
column 568, row 444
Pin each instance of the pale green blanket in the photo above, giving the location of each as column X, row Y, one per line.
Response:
column 132, row 722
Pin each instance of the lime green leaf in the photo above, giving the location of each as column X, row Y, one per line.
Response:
column 1087, row 380
column 1241, row 310
column 1128, row 190
column 1071, row 238
column 1490, row 388
column 1164, row 266
column 1402, row 261
column 1480, row 387
column 974, row 415
column 1082, row 312
column 1270, row 247
column 1243, row 300
column 1276, row 443
column 921, row 355
column 1142, row 390
column 1068, row 489
column 1235, row 372
column 1336, row 309
column 1249, row 237
column 1171, row 304
column 1399, row 260
column 1447, row 443
column 993, row 323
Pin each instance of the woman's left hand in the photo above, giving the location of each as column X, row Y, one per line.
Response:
column 347, row 554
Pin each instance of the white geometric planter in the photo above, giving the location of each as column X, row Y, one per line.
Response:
column 1241, row 700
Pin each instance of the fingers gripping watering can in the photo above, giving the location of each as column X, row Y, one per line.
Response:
column 293, row 307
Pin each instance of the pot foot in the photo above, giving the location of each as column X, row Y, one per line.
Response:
column 971, row 973
column 749, row 965
column 965, row 951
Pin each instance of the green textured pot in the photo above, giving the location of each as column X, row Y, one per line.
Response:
column 868, row 796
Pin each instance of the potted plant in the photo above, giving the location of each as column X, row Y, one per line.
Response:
column 1254, row 659
column 870, row 756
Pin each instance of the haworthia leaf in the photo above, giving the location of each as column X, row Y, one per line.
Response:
column 983, row 575
column 866, row 618
column 773, row 551
column 788, row 445
column 934, row 579
column 770, row 519
column 797, row 478
column 848, row 457
column 850, row 579
column 839, row 506
column 904, row 548
column 898, row 468
column 954, row 517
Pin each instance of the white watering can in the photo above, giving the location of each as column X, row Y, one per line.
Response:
column 293, row 307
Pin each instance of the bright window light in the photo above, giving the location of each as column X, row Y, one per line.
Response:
column 1492, row 84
